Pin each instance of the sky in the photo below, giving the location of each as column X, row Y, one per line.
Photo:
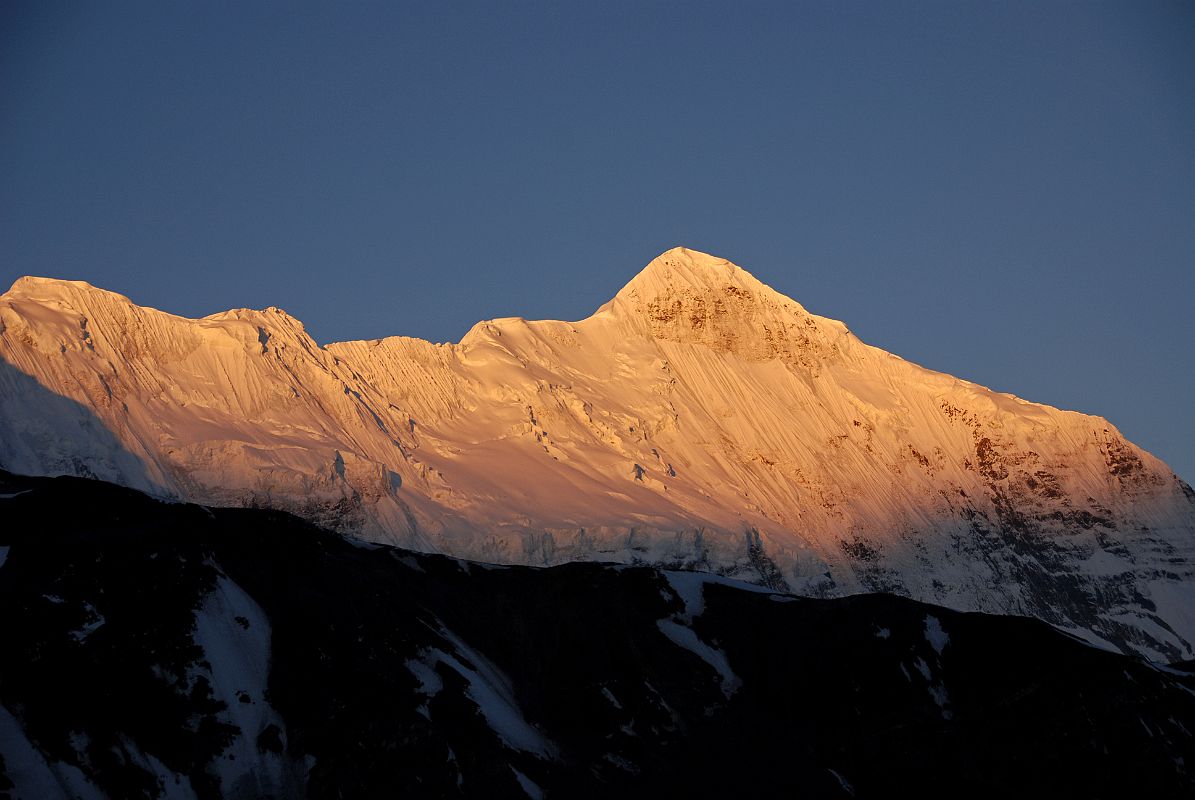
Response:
column 1004, row 191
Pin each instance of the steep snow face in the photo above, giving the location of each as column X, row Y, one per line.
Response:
column 699, row 419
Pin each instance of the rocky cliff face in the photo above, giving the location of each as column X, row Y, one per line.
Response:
column 697, row 420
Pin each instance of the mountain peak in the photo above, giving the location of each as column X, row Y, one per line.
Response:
column 692, row 297
column 79, row 295
column 681, row 268
column 43, row 287
column 680, row 274
column 686, row 255
column 683, row 276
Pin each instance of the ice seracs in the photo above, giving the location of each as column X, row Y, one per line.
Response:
column 699, row 420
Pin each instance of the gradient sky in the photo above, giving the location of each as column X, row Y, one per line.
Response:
column 1002, row 191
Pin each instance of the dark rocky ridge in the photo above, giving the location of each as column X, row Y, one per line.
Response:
column 393, row 672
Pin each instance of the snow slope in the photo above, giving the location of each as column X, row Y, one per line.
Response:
column 699, row 419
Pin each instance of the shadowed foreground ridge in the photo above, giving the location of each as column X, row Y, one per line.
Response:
column 156, row 649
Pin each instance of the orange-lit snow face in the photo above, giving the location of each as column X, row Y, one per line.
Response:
column 699, row 418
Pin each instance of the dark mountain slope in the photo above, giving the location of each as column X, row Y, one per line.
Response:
column 155, row 649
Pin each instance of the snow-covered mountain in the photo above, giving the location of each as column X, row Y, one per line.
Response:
column 699, row 420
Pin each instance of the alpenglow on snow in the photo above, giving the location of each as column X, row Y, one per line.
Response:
column 699, row 420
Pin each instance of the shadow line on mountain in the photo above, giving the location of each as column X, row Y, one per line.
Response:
column 43, row 432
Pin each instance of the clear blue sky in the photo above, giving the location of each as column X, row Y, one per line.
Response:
column 1004, row 191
